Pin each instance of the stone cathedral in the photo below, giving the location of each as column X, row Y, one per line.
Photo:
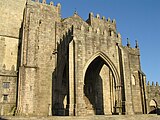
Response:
column 51, row 65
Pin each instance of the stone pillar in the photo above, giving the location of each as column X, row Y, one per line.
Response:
column 49, row 110
column 2, row 110
column 26, row 91
column 104, row 73
column 118, row 102
column 127, row 83
column 112, row 84
column 20, row 97
column 71, row 79
column 145, row 97
column 128, row 104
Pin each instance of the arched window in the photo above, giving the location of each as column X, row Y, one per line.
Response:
column 133, row 80
column 152, row 103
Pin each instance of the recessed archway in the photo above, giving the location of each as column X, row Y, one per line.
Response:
column 100, row 86
column 61, row 96
column 152, row 107
column 153, row 103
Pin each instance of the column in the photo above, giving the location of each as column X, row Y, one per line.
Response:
column 104, row 73
column 71, row 79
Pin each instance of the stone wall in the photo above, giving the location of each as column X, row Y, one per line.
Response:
column 153, row 98
column 9, row 53
column 11, row 17
column 8, row 90
column 10, row 25
column 11, row 20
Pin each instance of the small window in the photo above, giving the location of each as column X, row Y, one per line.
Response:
column 153, row 103
column 133, row 80
column 6, row 84
column 5, row 97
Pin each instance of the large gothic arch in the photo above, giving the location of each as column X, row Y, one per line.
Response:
column 102, row 93
column 107, row 60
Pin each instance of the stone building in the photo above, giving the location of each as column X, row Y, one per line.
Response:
column 153, row 92
column 67, row 66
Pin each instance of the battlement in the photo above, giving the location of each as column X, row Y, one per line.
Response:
column 153, row 91
column 41, row 11
column 108, row 20
column 153, row 84
column 43, row 2
column 97, row 21
column 99, row 27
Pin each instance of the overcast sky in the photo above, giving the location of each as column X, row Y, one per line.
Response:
column 136, row 20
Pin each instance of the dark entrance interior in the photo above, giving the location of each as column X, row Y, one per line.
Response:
column 93, row 86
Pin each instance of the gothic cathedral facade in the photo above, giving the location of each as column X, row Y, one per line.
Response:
column 55, row 66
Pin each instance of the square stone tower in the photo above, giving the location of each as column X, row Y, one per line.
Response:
column 37, row 63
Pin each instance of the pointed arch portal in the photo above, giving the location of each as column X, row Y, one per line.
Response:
column 102, row 96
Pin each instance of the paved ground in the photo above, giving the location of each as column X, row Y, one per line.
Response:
column 116, row 117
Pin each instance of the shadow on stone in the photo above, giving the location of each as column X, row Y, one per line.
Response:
column 155, row 111
column 158, row 111
column 2, row 118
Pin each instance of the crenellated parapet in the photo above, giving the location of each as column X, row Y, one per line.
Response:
column 44, row 2
column 153, row 89
column 99, row 27
column 153, row 84
column 58, row 6
column 103, row 23
column 91, row 16
column 41, row 12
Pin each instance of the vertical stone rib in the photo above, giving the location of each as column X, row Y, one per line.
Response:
column 106, row 90
column 71, row 79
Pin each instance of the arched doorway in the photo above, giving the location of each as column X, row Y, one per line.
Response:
column 61, row 93
column 100, row 87
column 152, row 107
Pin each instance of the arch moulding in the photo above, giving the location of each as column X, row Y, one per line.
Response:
column 107, row 61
